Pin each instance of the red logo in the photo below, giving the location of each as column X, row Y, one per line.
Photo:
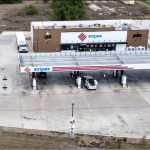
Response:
column 137, row 36
column 27, row 70
column 82, row 36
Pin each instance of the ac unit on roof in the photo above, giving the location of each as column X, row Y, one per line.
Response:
column 49, row 27
column 80, row 25
column 85, row 26
column 96, row 24
column 116, row 24
column 63, row 26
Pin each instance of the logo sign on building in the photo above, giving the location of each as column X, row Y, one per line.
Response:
column 137, row 36
column 27, row 69
column 82, row 36
column 47, row 36
column 93, row 37
column 42, row 69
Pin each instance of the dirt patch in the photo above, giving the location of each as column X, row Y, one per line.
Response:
column 103, row 10
column 39, row 139
column 11, row 18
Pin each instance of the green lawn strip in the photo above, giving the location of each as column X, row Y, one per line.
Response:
column 145, row 2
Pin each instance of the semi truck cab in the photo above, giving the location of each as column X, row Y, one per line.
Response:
column 22, row 46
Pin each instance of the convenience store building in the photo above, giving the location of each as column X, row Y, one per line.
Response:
column 90, row 35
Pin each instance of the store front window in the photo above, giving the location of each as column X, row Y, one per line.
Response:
column 88, row 47
column 107, row 47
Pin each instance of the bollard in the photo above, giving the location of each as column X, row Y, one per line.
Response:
column 5, row 78
column 4, row 87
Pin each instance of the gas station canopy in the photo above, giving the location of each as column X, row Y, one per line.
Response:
column 84, row 61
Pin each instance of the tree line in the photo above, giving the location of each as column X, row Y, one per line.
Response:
column 10, row 1
column 68, row 10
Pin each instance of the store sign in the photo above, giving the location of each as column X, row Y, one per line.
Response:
column 42, row 69
column 95, row 36
column 27, row 69
column 82, row 36
column 47, row 36
column 137, row 36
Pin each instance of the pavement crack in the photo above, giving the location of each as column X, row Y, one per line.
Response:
column 121, row 119
column 28, row 118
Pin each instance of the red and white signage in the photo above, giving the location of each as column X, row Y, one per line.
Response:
column 72, row 123
column 27, row 69
column 93, row 37
column 82, row 36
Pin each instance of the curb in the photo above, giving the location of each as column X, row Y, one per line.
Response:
column 48, row 133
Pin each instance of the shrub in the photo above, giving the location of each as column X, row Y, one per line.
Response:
column 119, row 141
column 30, row 10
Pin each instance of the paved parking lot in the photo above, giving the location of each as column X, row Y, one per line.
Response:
column 109, row 110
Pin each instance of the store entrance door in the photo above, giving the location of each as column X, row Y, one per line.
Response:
column 82, row 48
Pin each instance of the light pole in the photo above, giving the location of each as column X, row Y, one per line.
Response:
column 72, row 109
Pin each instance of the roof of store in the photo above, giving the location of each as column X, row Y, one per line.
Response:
column 118, row 24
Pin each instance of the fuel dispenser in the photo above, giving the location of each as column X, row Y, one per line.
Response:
column 123, row 80
column 114, row 73
column 78, row 82
column 34, row 80
column 34, row 85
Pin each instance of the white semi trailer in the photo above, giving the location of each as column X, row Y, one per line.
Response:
column 21, row 42
column 128, row 2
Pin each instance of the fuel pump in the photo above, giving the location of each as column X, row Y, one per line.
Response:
column 34, row 81
column 123, row 80
column 78, row 82
column 114, row 73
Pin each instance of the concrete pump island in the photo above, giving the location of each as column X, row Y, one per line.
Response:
column 100, row 66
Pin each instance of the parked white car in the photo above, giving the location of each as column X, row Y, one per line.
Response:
column 90, row 82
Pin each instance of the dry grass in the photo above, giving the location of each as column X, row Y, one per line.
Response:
column 58, row 140
column 121, row 11
column 14, row 19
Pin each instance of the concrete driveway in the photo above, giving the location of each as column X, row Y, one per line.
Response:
column 109, row 110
